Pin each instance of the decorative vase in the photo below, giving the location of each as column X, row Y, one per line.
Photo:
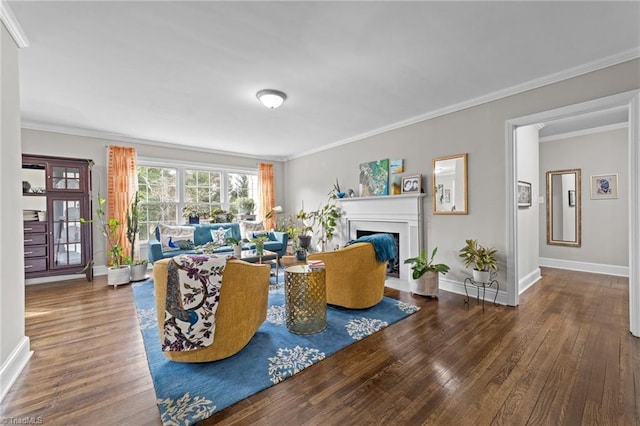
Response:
column 481, row 276
column 194, row 220
column 301, row 255
column 237, row 250
column 259, row 249
column 426, row 285
column 340, row 194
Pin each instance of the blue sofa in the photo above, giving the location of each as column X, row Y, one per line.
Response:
column 202, row 235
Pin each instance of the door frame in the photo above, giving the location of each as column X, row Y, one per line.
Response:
column 631, row 100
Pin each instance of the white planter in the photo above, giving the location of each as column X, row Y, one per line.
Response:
column 116, row 276
column 481, row 276
column 426, row 285
column 237, row 251
column 139, row 272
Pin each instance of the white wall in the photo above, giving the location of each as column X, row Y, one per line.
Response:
column 14, row 345
column 605, row 233
column 64, row 145
column 479, row 131
column 528, row 169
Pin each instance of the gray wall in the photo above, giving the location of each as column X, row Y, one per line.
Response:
column 605, row 230
column 64, row 145
column 527, row 163
column 14, row 345
column 479, row 131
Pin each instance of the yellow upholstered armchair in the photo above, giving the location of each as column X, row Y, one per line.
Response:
column 242, row 308
column 355, row 279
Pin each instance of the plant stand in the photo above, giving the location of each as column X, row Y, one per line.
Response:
column 478, row 286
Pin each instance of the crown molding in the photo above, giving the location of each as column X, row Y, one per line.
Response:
column 31, row 125
column 601, row 63
column 584, row 132
column 13, row 26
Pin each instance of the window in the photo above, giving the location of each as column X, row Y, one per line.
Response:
column 157, row 189
column 202, row 189
column 164, row 189
column 241, row 186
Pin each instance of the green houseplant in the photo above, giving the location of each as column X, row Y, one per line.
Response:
column 483, row 260
column 138, row 266
column 111, row 229
column 425, row 273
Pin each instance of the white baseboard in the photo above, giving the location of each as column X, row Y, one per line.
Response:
column 14, row 365
column 97, row 271
column 528, row 280
column 596, row 268
column 458, row 288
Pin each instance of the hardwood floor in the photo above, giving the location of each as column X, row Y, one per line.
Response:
column 563, row 357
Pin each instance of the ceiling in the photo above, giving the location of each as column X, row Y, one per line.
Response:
column 186, row 72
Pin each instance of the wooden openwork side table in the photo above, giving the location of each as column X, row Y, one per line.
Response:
column 305, row 296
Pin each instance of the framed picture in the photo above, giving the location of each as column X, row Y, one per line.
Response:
column 411, row 184
column 572, row 198
column 524, row 194
column 604, row 186
column 374, row 178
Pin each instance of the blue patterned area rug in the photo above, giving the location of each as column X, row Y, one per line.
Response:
column 188, row 393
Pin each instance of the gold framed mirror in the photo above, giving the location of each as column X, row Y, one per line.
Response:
column 564, row 207
column 450, row 184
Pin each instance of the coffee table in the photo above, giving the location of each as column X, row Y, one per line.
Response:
column 266, row 257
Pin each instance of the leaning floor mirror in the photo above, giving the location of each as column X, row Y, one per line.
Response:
column 450, row 184
column 564, row 214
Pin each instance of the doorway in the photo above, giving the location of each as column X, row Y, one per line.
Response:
column 629, row 100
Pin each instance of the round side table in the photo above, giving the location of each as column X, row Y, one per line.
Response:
column 305, row 299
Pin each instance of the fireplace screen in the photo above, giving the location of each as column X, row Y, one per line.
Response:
column 393, row 267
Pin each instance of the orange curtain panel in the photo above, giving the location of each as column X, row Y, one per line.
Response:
column 122, row 182
column 267, row 193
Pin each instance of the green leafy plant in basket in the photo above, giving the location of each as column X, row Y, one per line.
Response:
column 420, row 265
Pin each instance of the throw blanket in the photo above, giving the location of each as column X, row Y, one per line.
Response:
column 383, row 244
column 193, row 291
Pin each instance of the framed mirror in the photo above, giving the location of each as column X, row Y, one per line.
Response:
column 564, row 211
column 450, row 184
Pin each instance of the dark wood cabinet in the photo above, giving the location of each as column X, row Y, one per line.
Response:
column 56, row 195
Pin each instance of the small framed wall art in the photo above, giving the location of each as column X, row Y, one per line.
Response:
column 604, row 186
column 411, row 184
column 524, row 194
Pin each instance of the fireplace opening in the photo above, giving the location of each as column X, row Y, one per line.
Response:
column 393, row 267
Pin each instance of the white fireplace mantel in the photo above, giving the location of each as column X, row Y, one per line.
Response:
column 400, row 214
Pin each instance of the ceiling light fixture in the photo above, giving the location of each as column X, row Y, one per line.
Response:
column 271, row 98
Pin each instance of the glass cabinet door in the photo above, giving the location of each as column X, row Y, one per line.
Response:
column 64, row 177
column 67, row 232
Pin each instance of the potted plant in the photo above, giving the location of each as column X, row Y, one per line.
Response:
column 138, row 266
column 236, row 244
column 305, row 230
column 246, row 206
column 336, row 190
column 259, row 242
column 326, row 216
column 193, row 213
column 482, row 258
column 111, row 229
column 426, row 274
